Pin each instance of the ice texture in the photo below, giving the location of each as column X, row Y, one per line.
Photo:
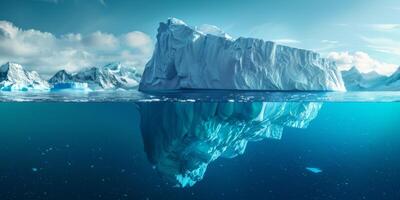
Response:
column 207, row 58
column 181, row 139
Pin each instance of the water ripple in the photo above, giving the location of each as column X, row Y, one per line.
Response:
column 201, row 96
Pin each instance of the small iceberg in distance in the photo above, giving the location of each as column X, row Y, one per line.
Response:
column 70, row 86
column 314, row 170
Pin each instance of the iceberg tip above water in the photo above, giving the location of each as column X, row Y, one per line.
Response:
column 207, row 58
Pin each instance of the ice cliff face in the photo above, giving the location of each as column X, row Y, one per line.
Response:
column 13, row 77
column 181, row 139
column 356, row 81
column 207, row 58
column 111, row 76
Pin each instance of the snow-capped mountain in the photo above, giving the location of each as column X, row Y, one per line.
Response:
column 61, row 76
column 393, row 82
column 208, row 58
column 356, row 81
column 13, row 77
column 111, row 76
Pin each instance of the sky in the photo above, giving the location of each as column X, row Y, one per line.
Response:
column 49, row 35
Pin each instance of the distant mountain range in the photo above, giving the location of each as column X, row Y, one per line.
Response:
column 13, row 77
column 354, row 80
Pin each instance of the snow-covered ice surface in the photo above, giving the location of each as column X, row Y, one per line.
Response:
column 199, row 96
column 207, row 58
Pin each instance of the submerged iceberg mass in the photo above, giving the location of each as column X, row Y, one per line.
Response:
column 111, row 76
column 207, row 58
column 13, row 77
column 181, row 139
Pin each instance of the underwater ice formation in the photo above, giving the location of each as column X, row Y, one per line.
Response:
column 181, row 139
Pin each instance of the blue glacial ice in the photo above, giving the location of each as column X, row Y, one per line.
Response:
column 182, row 139
column 75, row 86
column 314, row 170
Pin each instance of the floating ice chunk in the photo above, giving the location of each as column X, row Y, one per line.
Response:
column 314, row 170
column 70, row 86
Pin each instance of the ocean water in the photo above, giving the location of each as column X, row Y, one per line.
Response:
column 134, row 146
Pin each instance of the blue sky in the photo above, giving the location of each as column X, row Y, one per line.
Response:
column 47, row 35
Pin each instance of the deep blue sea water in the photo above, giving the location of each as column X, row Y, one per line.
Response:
column 94, row 150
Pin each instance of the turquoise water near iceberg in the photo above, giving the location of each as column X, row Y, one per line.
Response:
column 96, row 150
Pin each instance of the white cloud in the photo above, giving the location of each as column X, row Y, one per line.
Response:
column 101, row 41
column 329, row 42
column 102, row 2
column 384, row 27
column 47, row 53
column 363, row 62
column 286, row 41
column 139, row 40
column 384, row 45
column 327, row 46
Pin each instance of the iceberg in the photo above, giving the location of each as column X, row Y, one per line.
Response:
column 70, row 86
column 357, row 81
column 111, row 76
column 182, row 139
column 207, row 58
column 314, row 170
column 13, row 77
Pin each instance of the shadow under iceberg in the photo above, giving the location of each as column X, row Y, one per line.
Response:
column 181, row 138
